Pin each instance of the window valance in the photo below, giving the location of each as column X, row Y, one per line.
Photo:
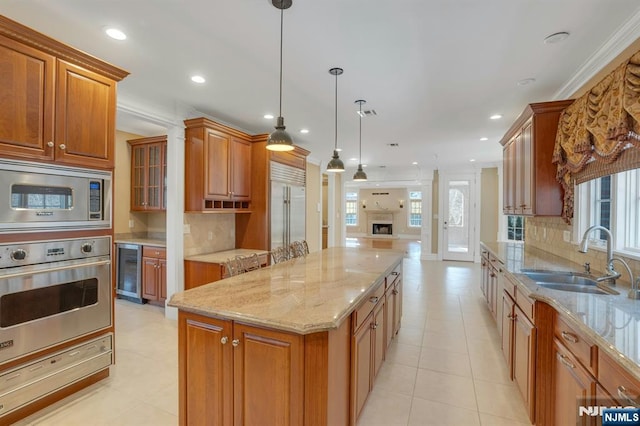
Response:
column 599, row 133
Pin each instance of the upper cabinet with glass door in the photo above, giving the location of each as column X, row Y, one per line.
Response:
column 149, row 174
column 530, row 186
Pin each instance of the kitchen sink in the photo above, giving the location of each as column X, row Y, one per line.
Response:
column 567, row 281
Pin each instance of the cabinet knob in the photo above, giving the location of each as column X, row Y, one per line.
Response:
column 395, row 291
column 50, row 144
column 373, row 299
column 62, row 146
column 224, row 340
column 235, row 342
column 374, row 325
column 563, row 359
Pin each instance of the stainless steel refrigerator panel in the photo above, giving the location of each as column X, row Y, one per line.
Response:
column 278, row 217
column 297, row 214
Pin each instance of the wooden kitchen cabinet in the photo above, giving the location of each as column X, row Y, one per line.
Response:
column 149, row 174
column 154, row 274
column 55, row 110
column 235, row 374
column 491, row 274
column 530, row 186
column 218, row 167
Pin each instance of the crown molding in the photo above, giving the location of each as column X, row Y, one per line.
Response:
column 620, row 40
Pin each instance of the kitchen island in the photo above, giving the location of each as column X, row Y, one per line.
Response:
column 295, row 343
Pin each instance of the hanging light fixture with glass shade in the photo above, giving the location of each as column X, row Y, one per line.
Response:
column 280, row 140
column 360, row 175
column 335, row 164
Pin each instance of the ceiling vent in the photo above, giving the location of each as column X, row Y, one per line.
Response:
column 393, row 145
column 367, row 113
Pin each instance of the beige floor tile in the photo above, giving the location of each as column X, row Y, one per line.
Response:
column 410, row 335
column 385, row 408
column 453, row 342
column 445, row 361
column 444, row 326
column 396, row 378
column 146, row 415
column 490, row 368
column 400, row 353
column 445, row 388
column 424, row 412
column 500, row 400
column 489, row 420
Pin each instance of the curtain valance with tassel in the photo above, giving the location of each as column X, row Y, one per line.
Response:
column 599, row 134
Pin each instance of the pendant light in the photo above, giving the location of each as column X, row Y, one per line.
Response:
column 280, row 140
column 335, row 164
column 360, row 175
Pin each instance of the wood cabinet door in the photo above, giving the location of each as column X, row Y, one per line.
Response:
column 524, row 339
column 527, row 187
column 26, row 101
column 240, row 169
column 162, row 279
column 507, row 331
column 268, row 383
column 572, row 387
column 138, row 177
column 155, row 177
column 149, row 278
column 379, row 342
column 509, row 179
column 397, row 309
column 217, row 173
column 389, row 322
column 361, row 365
column 85, row 117
column 206, row 375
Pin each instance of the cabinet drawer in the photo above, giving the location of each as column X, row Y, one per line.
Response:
column 510, row 286
column 525, row 303
column 584, row 351
column 365, row 308
column 624, row 388
column 157, row 252
column 392, row 277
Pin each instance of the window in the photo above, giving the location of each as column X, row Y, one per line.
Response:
column 515, row 228
column 614, row 203
column 456, row 208
column 351, row 209
column 415, row 208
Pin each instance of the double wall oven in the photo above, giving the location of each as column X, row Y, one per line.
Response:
column 56, row 295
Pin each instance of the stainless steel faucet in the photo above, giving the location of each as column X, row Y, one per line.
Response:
column 610, row 274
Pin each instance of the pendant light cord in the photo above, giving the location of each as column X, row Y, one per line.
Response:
column 360, row 150
column 336, row 136
column 281, row 36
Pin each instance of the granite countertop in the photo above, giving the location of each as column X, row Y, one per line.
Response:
column 222, row 256
column 302, row 295
column 142, row 240
column 611, row 321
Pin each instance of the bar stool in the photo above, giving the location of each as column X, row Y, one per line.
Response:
column 232, row 268
column 279, row 254
column 249, row 263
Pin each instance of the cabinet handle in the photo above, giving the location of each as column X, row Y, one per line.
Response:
column 569, row 337
column 395, row 291
column 373, row 299
column 523, row 205
column 224, row 340
column 563, row 360
column 374, row 325
column 492, row 275
column 512, row 317
column 62, row 146
column 50, row 144
column 623, row 393
column 395, row 273
column 235, row 342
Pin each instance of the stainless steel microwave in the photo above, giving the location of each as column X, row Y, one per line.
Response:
column 46, row 197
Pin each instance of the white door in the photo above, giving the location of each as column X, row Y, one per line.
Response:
column 457, row 218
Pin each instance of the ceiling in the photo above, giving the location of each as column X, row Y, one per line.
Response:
column 433, row 70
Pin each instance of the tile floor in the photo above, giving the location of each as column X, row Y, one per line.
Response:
column 444, row 368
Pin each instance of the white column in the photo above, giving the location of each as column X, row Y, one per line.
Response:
column 427, row 213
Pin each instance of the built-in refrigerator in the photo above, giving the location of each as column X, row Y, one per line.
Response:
column 288, row 205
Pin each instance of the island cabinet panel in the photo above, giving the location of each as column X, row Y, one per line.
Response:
column 154, row 274
column 206, row 379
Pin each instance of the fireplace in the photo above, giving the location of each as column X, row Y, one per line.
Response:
column 382, row 228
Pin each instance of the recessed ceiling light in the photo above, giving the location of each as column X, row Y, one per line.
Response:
column 496, row 117
column 198, row 79
column 364, row 165
column 115, row 34
column 268, row 116
column 339, row 149
column 472, row 160
column 415, row 163
column 556, row 37
column 304, row 130
column 526, row 81
column 484, row 139
column 353, row 159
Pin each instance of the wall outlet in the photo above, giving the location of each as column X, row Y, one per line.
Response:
column 210, row 235
column 566, row 236
column 186, row 228
column 131, row 223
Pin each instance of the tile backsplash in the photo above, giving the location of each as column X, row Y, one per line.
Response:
column 209, row 233
column 547, row 233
